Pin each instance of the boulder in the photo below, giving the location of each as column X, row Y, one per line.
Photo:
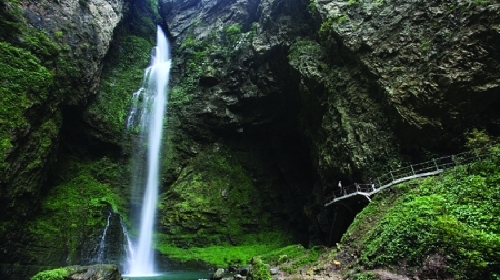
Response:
column 77, row 272
column 217, row 274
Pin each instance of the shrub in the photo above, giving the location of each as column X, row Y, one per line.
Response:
column 455, row 216
column 53, row 274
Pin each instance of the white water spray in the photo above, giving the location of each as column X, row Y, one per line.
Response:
column 102, row 244
column 147, row 115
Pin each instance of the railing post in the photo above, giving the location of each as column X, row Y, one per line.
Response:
column 392, row 176
column 379, row 184
column 412, row 171
column 435, row 163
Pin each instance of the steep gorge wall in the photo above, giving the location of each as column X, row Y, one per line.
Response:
column 358, row 86
column 271, row 103
column 50, row 70
column 236, row 164
column 65, row 42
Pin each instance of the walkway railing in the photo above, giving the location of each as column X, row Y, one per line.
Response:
column 403, row 174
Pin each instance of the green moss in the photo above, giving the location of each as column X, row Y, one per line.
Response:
column 25, row 85
column 214, row 184
column 312, row 6
column 233, row 29
column 454, row 216
column 260, row 270
column 72, row 210
column 293, row 257
column 220, row 256
column 53, row 274
column 180, row 96
column 123, row 70
column 196, row 53
column 304, row 52
column 327, row 27
column 366, row 276
column 213, row 206
column 233, row 32
column 130, row 57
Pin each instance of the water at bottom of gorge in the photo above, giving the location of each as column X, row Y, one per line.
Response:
column 177, row 275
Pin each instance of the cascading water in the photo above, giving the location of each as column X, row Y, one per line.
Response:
column 102, row 244
column 146, row 116
column 128, row 247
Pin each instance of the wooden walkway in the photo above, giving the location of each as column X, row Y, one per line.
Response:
column 394, row 177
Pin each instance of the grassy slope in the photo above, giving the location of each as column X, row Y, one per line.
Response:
column 444, row 226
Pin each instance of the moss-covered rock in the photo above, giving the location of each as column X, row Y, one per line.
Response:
column 107, row 114
column 100, row 271
column 29, row 128
column 214, row 200
column 45, row 65
column 415, row 66
column 444, row 225
column 223, row 101
column 71, row 220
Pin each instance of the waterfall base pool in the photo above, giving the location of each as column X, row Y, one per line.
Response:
column 177, row 275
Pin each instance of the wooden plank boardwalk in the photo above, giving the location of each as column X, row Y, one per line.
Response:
column 400, row 175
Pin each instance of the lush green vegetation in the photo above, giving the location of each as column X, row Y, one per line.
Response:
column 293, row 257
column 221, row 256
column 123, row 71
column 233, row 32
column 263, row 249
column 53, row 274
column 120, row 80
column 260, row 270
column 446, row 225
column 35, row 71
column 214, row 198
column 73, row 209
column 25, row 85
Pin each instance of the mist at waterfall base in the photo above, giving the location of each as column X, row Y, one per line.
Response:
column 146, row 119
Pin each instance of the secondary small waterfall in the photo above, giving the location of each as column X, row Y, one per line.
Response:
column 146, row 117
column 128, row 247
column 102, row 244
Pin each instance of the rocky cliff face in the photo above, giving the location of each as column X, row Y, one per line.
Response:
column 271, row 103
column 435, row 63
column 351, row 87
column 86, row 27
column 233, row 136
column 50, row 69
column 68, row 40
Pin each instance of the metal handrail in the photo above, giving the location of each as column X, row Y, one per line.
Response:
column 402, row 174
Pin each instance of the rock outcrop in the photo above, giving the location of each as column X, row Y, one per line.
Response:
column 69, row 39
column 354, row 86
column 271, row 103
column 232, row 128
column 51, row 66
column 435, row 62
column 85, row 27
column 99, row 271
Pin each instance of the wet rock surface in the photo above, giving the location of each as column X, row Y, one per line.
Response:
column 354, row 86
column 86, row 27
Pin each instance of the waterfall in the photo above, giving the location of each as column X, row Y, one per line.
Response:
column 146, row 116
column 127, row 247
column 102, row 244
